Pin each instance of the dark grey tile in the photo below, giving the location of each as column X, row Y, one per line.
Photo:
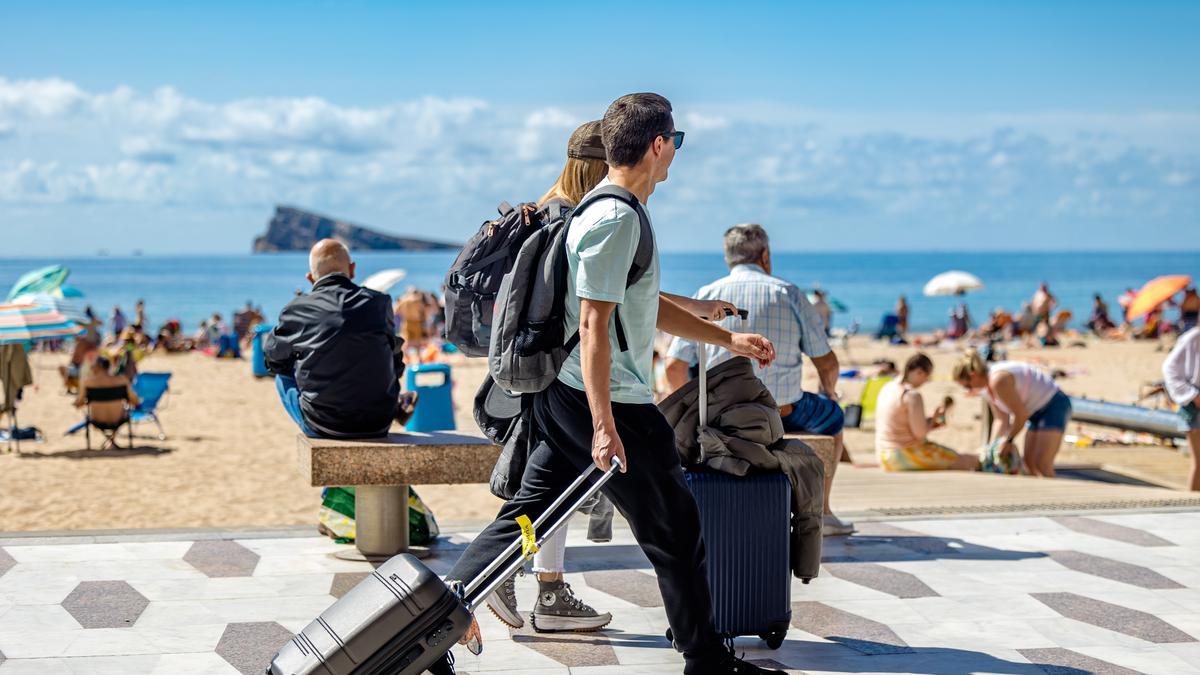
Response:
column 1100, row 528
column 1058, row 661
column 856, row 632
column 573, row 650
column 222, row 558
column 1116, row 570
column 632, row 586
column 344, row 581
column 881, row 578
column 1113, row 617
column 6, row 562
column 249, row 647
column 105, row 604
column 772, row 663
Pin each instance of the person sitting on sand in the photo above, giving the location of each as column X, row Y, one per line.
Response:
column 997, row 325
column 106, row 412
column 901, row 425
column 778, row 310
column 1181, row 380
column 960, row 321
column 1100, row 323
column 335, row 353
column 1020, row 395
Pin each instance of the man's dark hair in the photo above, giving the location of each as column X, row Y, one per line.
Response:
column 103, row 364
column 631, row 124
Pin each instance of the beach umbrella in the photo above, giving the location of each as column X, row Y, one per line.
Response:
column 952, row 283
column 43, row 280
column 1156, row 291
column 67, row 308
column 383, row 281
column 28, row 323
column 67, row 292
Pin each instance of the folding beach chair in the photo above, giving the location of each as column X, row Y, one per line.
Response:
column 150, row 388
column 109, row 429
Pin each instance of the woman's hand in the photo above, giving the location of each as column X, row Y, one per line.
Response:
column 753, row 346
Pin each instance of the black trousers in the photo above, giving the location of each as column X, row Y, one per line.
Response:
column 651, row 495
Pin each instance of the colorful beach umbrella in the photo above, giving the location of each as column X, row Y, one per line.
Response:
column 68, row 308
column 953, row 282
column 67, row 292
column 29, row 323
column 1156, row 291
column 43, row 280
column 383, row 281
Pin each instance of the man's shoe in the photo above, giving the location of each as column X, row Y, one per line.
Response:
column 832, row 526
column 503, row 603
column 727, row 663
column 559, row 610
column 405, row 406
column 443, row 666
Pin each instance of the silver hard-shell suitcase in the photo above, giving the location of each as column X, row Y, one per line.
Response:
column 402, row 618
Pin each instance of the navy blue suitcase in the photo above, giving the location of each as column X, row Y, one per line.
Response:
column 745, row 521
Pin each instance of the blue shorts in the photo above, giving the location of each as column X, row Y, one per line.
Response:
column 289, row 394
column 1053, row 416
column 1190, row 413
column 815, row 414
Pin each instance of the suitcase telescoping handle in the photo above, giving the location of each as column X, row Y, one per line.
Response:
column 702, row 363
column 480, row 588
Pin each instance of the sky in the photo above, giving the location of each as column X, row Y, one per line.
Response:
column 177, row 127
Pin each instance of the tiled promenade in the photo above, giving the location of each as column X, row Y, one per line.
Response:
column 1101, row 592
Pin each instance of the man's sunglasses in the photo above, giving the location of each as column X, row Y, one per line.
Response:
column 676, row 137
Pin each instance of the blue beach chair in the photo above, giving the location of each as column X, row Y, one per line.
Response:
column 150, row 388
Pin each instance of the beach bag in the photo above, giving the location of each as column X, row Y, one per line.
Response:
column 336, row 517
column 474, row 279
column 991, row 461
column 528, row 345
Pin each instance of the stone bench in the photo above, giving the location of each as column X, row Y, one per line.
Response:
column 824, row 447
column 381, row 469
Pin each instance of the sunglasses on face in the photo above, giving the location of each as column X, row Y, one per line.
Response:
column 676, row 137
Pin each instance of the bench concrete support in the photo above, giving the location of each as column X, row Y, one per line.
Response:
column 381, row 469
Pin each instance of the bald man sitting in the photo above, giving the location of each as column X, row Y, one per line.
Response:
column 335, row 353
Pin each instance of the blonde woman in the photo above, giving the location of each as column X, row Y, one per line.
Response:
column 1020, row 395
column 901, row 425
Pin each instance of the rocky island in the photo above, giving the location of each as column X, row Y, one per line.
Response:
column 293, row 229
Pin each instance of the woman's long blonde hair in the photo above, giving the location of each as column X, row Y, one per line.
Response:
column 577, row 179
column 970, row 363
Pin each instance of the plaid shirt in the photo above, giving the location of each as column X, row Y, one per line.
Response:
column 778, row 311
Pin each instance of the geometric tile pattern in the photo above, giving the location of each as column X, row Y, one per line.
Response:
column 222, row 558
column 105, row 604
column 1059, row 661
column 250, row 646
column 1117, row 618
column 1013, row 594
column 1116, row 570
column 881, row 578
column 6, row 562
column 856, row 632
column 1107, row 530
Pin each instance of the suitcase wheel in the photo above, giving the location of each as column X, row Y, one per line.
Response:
column 774, row 639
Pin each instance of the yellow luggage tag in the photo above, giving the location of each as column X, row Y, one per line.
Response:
column 528, row 540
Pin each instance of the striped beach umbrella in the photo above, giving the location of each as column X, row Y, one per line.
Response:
column 27, row 323
column 68, row 308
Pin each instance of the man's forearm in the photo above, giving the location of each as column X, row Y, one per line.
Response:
column 827, row 372
column 676, row 320
column 595, row 361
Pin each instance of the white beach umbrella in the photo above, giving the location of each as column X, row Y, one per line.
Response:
column 952, row 283
column 383, row 281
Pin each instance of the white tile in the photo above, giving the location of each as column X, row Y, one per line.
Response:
column 70, row 553
column 37, row 617
column 192, row 664
column 111, row 665
column 36, row 644
column 35, row 667
column 239, row 610
column 235, row 587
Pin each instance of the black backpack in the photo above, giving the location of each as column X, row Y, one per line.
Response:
column 474, row 279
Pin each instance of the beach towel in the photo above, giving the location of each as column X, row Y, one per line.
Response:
column 336, row 517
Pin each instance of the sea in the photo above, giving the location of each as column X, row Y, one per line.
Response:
column 193, row 287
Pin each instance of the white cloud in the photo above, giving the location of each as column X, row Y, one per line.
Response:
column 755, row 162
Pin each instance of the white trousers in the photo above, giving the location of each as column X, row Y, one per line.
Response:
column 551, row 556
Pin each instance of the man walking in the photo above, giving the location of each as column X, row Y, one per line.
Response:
column 602, row 404
column 780, row 310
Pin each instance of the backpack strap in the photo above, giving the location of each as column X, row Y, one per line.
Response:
column 642, row 257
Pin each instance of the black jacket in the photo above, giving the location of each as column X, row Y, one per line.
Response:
column 340, row 344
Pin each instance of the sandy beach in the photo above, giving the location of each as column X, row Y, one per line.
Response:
column 229, row 459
